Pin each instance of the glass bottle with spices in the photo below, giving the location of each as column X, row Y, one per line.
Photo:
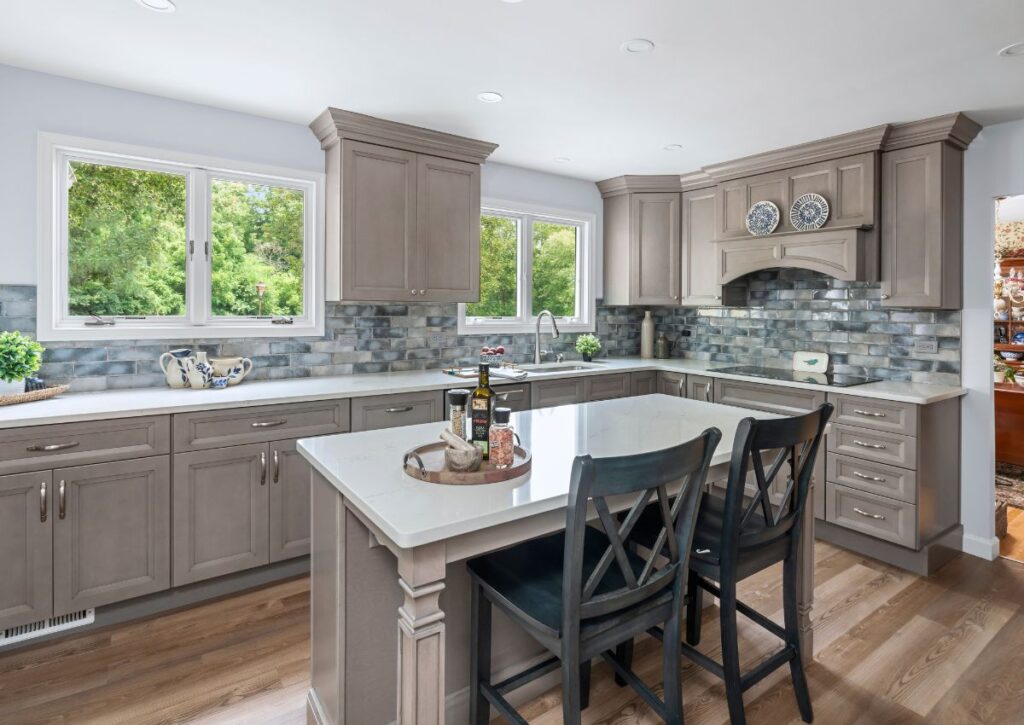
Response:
column 457, row 400
column 481, row 406
column 502, row 439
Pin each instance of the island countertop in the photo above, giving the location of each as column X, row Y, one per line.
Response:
column 161, row 401
column 366, row 468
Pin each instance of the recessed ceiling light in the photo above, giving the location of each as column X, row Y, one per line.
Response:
column 637, row 45
column 490, row 97
column 511, row 2
column 562, row 159
column 160, row 6
column 1017, row 49
column 674, row 147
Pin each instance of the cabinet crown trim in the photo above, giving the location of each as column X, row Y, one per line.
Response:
column 335, row 124
column 957, row 129
column 639, row 183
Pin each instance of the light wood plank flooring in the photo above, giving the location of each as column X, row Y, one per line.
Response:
column 1012, row 545
column 890, row 648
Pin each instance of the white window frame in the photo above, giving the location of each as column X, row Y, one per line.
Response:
column 53, row 320
column 525, row 320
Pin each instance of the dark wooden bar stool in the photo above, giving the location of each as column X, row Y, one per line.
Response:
column 748, row 531
column 582, row 593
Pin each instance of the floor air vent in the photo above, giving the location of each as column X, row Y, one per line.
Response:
column 46, row 626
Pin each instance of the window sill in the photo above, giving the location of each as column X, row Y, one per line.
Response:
column 124, row 331
column 519, row 328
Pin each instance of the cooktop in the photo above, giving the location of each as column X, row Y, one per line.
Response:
column 831, row 379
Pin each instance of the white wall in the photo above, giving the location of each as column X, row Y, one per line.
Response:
column 994, row 167
column 31, row 102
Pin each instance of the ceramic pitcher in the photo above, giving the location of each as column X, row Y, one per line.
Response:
column 233, row 368
column 199, row 370
column 173, row 363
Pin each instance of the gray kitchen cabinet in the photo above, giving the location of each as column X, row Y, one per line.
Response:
column 549, row 393
column 258, row 424
column 390, row 411
column 26, row 541
column 379, row 243
column 447, row 231
column 111, row 532
column 289, row 502
column 514, row 397
column 922, row 227
column 221, row 512
column 699, row 275
column 672, row 384
column 643, row 383
column 700, row 387
column 654, row 246
column 607, row 387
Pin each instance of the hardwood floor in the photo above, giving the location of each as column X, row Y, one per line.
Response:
column 890, row 648
column 1012, row 545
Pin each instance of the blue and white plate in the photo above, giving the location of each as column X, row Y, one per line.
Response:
column 762, row 218
column 808, row 212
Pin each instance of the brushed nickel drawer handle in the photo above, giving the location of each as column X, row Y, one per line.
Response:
column 277, row 467
column 406, row 409
column 876, row 479
column 868, row 413
column 707, row 392
column 504, row 396
column 61, row 501
column 877, row 517
column 52, row 447
column 42, row 501
column 263, row 468
column 269, row 423
column 682, row 394
column 875, row 446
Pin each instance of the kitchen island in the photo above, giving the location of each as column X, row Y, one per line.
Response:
column 388, row 547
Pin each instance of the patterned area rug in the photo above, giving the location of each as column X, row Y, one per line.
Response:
column 1010, row 484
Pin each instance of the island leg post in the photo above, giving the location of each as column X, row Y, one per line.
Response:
column 421, row 636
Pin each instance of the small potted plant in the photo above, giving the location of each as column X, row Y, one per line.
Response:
column 20, row 356
column 587, row 346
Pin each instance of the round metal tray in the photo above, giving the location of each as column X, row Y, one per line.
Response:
column 427, row 464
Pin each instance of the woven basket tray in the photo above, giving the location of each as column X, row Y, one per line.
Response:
column 41, row 394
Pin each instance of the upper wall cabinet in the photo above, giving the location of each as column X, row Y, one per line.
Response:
column 699, row 267
column 403, row 210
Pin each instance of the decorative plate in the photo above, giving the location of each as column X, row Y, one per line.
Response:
column 809, row 212
column 762, row 218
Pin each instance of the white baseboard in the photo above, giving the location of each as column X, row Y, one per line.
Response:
column 315, row 710
column 980, row 546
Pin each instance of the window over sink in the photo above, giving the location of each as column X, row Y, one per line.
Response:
column 532, row 259
column 139, row 243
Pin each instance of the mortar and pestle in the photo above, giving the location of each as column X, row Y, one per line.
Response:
column 460, row 456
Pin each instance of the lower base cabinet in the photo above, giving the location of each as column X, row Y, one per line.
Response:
column 643, row 383
column 672, row 384
column 700, row 387
column 26, row 543
column 289, row 502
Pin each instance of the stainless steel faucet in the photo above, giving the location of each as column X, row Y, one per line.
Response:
column 554, row 326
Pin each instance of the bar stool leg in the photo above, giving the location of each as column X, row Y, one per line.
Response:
column 480, row 656
column 694, row 605
column 671, row 671
column 585, row 685
column 571, row 705
column 731, row 651
column 792, row 620
column 624, row 652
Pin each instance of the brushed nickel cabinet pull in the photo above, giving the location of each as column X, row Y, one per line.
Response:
column 681, row 393
column 707, row 392
column 42, row 501
column 277, row 467
column 61, row 501
column 39, row 448
column 885, row 297
column 868, row 413
column 876, row 479
column 504, row 396
column 875, row 446
column 269, row 423
column 877, row 517
column 406, row 409
column 263, row 468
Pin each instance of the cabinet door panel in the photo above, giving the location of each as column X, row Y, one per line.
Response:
column 700, row 387
column 700, row 271
column 654, row 248
column 672, row 384
column 26, row 540
column 513, row 397
column 221, row 512
column 549, row 393
column 378, row 256
column 606, row 387
column 643, row 383
column 112, row 534
column 448, row 230
column 289, row 502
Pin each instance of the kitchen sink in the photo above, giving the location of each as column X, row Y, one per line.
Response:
column 553, row 368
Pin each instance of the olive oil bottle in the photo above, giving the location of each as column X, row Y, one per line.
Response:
column 481, row 408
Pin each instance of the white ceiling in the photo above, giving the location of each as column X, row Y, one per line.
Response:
column 727, row 79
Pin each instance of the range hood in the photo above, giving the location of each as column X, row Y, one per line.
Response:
column 849, row 254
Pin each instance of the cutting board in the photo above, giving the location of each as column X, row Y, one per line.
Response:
column 810, row 362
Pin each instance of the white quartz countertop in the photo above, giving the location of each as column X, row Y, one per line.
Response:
column 155, row 401
column 367, row 467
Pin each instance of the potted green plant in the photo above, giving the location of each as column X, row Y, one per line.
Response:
column 587, row 346
column 20, row 356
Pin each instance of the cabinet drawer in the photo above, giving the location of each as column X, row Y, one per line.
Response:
column 877, row 516
column 238, row 426
column 69, row 444
column 548, row 393
column 392, row 411
column 606, row 387
column 768, row 398
column 515, row 397
column 878, row 478
column 881, row 415
column 873, row 445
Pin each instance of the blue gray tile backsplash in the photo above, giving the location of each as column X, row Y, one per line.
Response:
column 788, row 310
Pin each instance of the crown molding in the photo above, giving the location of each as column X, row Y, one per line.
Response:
column 335, row 124
column 695, row 180
column 634, row 183
column 957, row 129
